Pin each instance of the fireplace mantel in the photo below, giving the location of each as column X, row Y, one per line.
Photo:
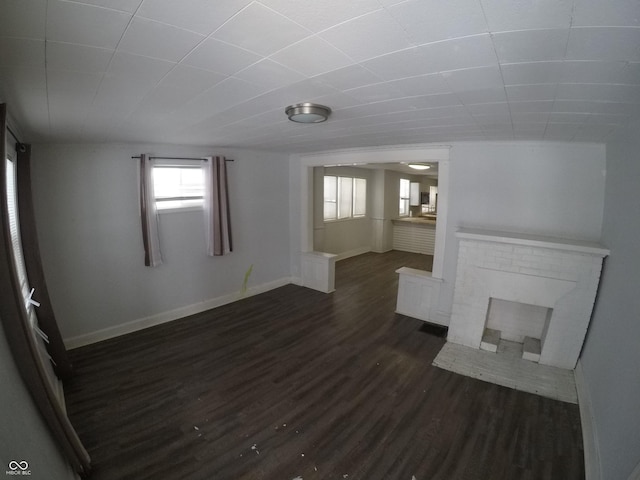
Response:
column 559, row 274
column 511, row 238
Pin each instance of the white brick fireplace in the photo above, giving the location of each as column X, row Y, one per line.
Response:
column 541, row 291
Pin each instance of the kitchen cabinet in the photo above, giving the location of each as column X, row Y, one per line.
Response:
column 417, row 235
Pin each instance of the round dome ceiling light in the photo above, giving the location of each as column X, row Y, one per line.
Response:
column 307, row 113
column 419, row 166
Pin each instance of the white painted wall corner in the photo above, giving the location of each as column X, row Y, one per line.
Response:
column 589, row 434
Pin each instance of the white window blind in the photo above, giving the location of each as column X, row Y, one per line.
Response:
column 330, row 197
column 14, row 228
column 16, row 243
column 405, row 190
column 359, row 197
column 344, row 197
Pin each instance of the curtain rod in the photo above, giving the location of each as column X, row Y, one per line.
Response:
column 181, row 158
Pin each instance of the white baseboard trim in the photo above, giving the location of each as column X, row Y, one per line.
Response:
column 352, row 253
column 164, row 317
column 589, row 437
column 374, row 250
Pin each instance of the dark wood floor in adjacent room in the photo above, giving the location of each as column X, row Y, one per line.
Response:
column 297, row 383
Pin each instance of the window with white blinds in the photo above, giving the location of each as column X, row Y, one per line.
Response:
column 344, row 197
column 405, row 190
column 16, row 243
column 359, row 197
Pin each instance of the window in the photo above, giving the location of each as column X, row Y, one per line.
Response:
column 359, row 197
column 405, row 191
column 178, row 186
column 344, row 197
column 39, row 336
column 330, row 198
column 14, row 228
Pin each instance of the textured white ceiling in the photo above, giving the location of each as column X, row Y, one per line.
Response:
column 221, row 72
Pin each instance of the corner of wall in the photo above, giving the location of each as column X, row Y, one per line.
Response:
column 589, row 436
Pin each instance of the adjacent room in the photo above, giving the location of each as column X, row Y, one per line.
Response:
column 297, row 240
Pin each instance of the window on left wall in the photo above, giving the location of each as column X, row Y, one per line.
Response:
column 178, row 186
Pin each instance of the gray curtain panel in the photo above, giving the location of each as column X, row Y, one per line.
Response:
column 149, row 214
column 216, row 208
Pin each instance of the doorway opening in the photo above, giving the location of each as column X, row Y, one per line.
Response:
column 370, row 159
column 375, row 208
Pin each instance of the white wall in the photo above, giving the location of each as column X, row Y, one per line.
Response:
column 385, row 209
column 392, row 194
column 551, row 189
column 86, row 205
column 611, row 354
column 547, row 189
column 23, row 435
column 300, row 239
column 347, row 236
column 381, row 227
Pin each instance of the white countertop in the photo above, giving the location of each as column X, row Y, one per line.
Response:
column 416, row 221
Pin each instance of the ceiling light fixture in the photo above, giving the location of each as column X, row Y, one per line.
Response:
column 419, row 166
column 307, row 113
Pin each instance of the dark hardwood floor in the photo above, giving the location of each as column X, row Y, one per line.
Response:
column 296, row 383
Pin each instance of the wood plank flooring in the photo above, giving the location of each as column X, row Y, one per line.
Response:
column 297, row 383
